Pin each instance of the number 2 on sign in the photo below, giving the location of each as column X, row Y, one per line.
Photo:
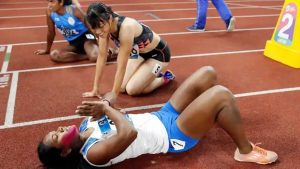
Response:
column 290, row 20
column 285, row 29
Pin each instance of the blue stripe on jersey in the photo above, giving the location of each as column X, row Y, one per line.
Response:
column 83, row 125
column 87, row 145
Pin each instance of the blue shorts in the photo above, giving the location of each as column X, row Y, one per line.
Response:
column 178, row 141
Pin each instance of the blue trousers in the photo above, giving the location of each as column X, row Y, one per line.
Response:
column 202, row 6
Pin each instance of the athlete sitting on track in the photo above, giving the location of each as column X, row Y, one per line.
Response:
column 69, row 20
column 142, row 53
column 178, row 126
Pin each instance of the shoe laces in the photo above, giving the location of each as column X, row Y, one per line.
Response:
column 259, row 150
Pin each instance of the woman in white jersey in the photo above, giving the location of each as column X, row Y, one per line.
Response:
column 69, row 21
column 178, row 126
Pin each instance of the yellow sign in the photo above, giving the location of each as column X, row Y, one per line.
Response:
column 285, row 43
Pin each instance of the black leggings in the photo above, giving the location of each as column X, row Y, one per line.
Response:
column 78, row 43
column 161, row 52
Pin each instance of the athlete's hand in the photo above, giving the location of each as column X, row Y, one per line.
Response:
column 93, row 93
column 92, row 108
column 41, row 52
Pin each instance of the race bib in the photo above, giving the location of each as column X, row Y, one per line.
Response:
column 134, row 52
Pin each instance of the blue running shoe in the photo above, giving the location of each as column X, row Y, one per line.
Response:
column 195, row 29
column 168, row 76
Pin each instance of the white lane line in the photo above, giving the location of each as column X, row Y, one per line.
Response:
column 162, row 34
column 254, row 6
column 173, row 57
column 146, row 107
column 6, row 59
column 151, row 20
column 152, row 10
column 11, row 99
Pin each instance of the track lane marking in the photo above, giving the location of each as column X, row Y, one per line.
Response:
column 146, row 107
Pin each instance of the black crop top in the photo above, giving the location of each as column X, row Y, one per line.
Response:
column 142, row 40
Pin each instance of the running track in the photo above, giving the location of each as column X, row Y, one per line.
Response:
column 38, row 95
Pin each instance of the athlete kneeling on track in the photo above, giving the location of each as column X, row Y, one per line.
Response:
column 178, row 126
column 69, row 20
column 142, row 56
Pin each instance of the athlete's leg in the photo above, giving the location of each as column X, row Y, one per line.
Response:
column 145, row 80
column 91, row 49
column 217, row 104
column 214, row 105
column 67, row 54
column 132, row 65
column 192, row 87
column 225, row 14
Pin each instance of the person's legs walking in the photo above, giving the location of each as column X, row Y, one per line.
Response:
column 200, row 22
column 225, row 13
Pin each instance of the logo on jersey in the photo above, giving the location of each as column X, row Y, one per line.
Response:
column 71, row 21
column 178, row 144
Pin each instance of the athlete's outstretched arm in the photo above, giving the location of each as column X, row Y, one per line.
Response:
column 50, row 35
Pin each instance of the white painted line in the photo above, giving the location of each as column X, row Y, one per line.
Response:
column 163, row 34
column 217, row 53
column 153, row 15
column 150, row 20
column 2, row 48
column 216, row 31
column 14, row 17
column 6, row 59
column 267, row 92
column 254, row 6
column 11, row 99
column 173, row 57
column 146, row 107
column 152, row 10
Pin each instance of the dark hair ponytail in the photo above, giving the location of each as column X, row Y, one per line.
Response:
column 52, row 159
column 98, row 13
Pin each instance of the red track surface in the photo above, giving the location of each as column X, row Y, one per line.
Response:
column 44, row 94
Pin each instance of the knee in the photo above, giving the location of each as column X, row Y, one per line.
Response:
column 223, row 94
column 132, row 90
column 210, row 73
column 206, row 75
column 55, row 56
column 93, row 56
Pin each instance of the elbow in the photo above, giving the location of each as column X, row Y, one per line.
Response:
column 133, row 133
column 130, row 134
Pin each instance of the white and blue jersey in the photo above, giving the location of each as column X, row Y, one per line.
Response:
column 152, row 137
column 68, row 25
column 157, row 133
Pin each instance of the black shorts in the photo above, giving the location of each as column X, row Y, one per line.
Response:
column 161, row 52
column 78, row 43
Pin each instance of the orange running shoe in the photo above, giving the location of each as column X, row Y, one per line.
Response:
column 257, row 155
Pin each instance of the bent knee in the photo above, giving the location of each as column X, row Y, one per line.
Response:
column 93, row 55
column 209, row 72
column 222, row 93
column 55, row 56
column 132, row 90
